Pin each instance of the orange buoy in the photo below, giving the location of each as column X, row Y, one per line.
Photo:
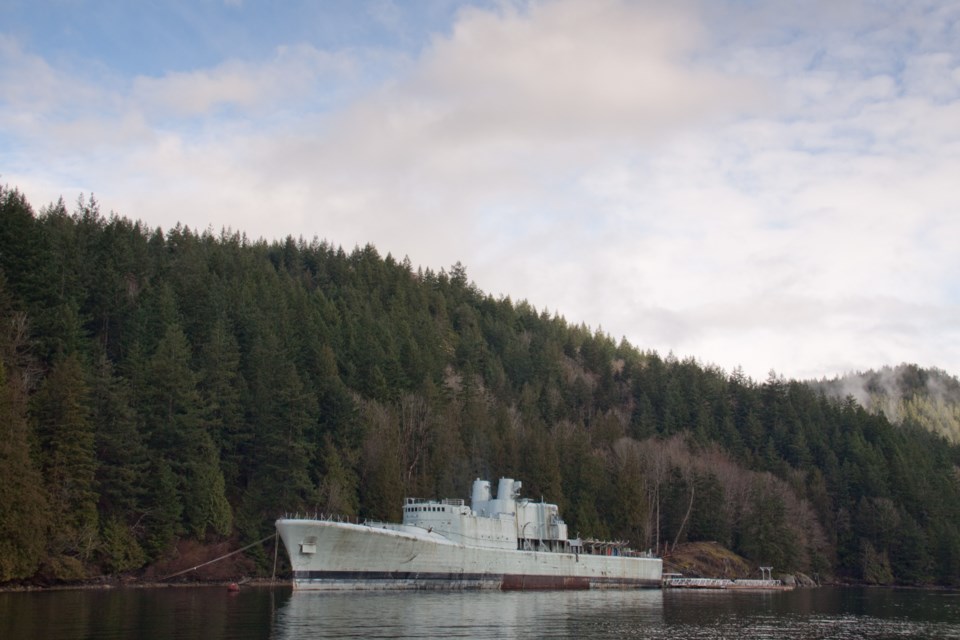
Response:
column 233, row 587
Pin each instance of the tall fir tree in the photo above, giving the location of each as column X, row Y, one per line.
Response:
column 175, row 430
column 24, row 508
column 61, row 412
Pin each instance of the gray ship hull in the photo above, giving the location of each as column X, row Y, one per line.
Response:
column 328, row 555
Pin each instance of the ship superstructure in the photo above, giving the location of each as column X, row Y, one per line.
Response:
column 502, row 542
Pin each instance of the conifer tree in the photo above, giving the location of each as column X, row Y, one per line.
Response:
column 176, row 434
column 62, row 415
column 278, row 456
column 222, row 386
column 122, row 470
column 24, row 509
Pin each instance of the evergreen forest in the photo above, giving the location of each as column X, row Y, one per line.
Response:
column 166, row 386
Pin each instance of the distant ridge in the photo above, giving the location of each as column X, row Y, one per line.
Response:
column 905, row 394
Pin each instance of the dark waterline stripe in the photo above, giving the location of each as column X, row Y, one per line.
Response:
column 466, row 580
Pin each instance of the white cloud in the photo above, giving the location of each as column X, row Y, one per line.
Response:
column 293, row 77
column 37, row 96
column 505, row 115
column 552, row 73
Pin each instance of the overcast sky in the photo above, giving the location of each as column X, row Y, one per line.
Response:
column 774, row 185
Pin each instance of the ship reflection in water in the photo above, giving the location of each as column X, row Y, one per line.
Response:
column 458, row 614
column 676, row 614
column 649, row 614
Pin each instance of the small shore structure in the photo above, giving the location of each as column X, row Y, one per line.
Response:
column 765, row 583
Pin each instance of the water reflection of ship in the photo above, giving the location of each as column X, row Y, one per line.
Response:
column 528, row 614
column 505, row 542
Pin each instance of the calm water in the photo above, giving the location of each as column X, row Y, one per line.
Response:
column 212, row 613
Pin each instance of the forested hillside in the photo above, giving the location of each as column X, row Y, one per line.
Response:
column 160, row 386
column 905, row 394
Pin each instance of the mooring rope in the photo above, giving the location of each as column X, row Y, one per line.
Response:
column 174, row 575
column 275, row 546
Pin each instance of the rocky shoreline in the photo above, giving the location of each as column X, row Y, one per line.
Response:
column 712, row 560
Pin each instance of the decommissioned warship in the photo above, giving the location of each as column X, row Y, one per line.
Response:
column 506, row 542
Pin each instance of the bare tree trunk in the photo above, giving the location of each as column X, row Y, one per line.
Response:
column 657, row 498
column 414, row 434
column 686, row 516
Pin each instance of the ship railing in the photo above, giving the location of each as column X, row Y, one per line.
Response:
column 452, row 502
column 325, row 517
column 604, row 547
column 594, row 547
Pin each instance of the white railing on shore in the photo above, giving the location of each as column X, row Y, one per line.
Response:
column 720, row 583
column 758, row 583
column 697, row 583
